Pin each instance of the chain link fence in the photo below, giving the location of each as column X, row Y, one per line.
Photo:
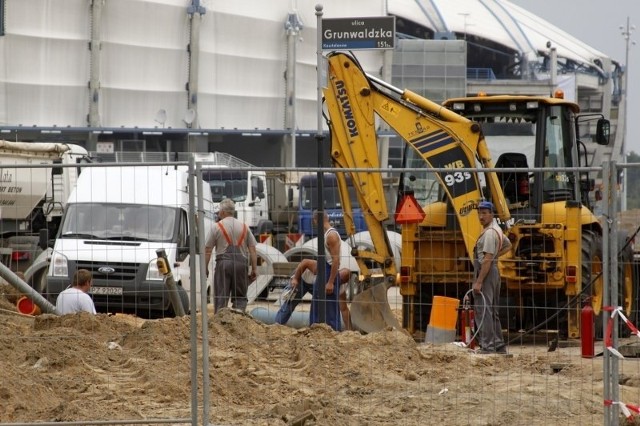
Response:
column 139, row 362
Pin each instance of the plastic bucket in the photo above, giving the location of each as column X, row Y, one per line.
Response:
column 442, row 323
column 27, row 307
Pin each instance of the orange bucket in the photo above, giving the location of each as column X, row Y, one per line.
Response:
column 27, row 307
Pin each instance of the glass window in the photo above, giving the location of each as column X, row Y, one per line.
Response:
column 557, row 152
column 423, row 183
column 120, row 221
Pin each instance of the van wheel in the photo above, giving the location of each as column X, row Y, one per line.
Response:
column 184, row 300
column 39, row 281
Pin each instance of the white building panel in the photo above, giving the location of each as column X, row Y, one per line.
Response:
column 144, row 59
column 144, row 62
column 45, row 63
column 243, row 60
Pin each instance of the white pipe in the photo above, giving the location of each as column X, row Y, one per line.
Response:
column 27, row 290
column 299, row 319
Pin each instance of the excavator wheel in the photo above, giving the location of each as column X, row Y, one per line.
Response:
column 626, row 278
column 592, row 275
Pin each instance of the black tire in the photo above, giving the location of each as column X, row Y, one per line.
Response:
column 184, row 301
column 626, row 291
column 39, row 281
column 626, row 285
column 592, row 278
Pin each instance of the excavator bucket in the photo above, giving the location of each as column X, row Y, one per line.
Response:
column 370, row 310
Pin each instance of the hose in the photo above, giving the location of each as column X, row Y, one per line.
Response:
column 465, row 302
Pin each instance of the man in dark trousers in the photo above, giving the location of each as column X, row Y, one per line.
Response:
column 332, row 243
column 486, row 285
column 234, row 243
column 302, row 282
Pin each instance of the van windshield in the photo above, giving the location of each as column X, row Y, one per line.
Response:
column 119, row 221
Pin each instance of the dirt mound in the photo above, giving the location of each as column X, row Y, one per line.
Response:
column 81, row 367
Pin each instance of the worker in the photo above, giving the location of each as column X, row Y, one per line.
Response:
column 234, row 243
column 75, row 298
column 332, row 244
column 491, row 244
column 302, row 282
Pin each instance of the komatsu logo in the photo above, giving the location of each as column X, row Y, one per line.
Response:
column 467, row 208
column 343, row 99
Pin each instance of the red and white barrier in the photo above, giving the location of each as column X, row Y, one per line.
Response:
column 625, row 409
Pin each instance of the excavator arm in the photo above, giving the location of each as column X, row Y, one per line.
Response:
column 444, row 139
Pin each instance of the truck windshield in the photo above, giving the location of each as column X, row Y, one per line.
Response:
column 120, row 221
column 226, row 184
column 331, row 194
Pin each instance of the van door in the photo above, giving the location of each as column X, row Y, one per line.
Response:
column 183, row 258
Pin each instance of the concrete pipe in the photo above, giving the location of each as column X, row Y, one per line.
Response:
column 310, row 250
column 363, row 240
column 299, row 319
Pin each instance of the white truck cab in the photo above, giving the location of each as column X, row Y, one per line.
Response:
column 116, row 219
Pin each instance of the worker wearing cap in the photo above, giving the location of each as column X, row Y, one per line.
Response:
column 490, row 245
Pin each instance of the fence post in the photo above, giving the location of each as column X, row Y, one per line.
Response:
column 192, row 306
column 610, row 294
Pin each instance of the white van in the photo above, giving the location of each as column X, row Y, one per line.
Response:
column 116, row 219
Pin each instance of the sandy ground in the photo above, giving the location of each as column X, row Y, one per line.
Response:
column 83, row 367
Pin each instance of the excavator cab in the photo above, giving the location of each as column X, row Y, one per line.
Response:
column 514, row 184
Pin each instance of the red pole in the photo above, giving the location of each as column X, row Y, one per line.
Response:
column 587, row 335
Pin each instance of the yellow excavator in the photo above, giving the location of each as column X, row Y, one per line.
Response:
column 556, row 255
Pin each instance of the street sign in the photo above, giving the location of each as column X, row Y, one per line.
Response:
column 377, row 32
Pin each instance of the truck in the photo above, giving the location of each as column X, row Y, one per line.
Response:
column 263, row 200
column 308, row 202
column 33, row 199
column 116, row 220
column 266, row 201
column 555, row 263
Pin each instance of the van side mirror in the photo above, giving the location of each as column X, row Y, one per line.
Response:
column 182, row 253
column 603, row 132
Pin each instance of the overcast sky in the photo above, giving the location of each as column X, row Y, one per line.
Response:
column 597, row 22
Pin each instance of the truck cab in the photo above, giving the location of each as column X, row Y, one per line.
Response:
column 308, row 202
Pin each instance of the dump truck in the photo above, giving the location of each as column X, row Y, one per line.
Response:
column 33, row 196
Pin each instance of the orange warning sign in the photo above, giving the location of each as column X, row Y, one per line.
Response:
column 409, row 211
